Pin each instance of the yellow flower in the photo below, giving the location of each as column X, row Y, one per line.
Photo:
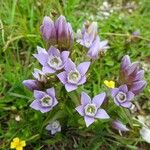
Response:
column 110, row 84
column 17, row 144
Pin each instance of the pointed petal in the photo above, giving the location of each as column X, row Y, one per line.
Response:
column 69, row 65
column 114, row 91
column 80, row 110
column 102, row 114
column 85, row 99
column 123, row 88
column 118, row 125
column 82, row 81
column 35, row 105
column 31, row 84
column 54, row 51
column 125, row 62
column 48, row 70
column 88, row 120
column 70, row 87
column 62, row 77
column 126, row 104
column 99, row 99
column 130, row 96
column 38, row 94
column 51, row 92
column 65, row 55
column 83, row 67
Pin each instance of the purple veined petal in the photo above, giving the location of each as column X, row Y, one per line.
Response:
column 62, row 77
column 125, row 62
column 103, row 43
column 99, row 99
column 70, row 87
column 80, row 110
column 116, row 102
column 83, row 67
column 139, row 75
column 82, row 81
column 126, row 104
column 138, row 86
column 31, row 84
column 88, row 120
column 45, row 109
column 53, row 132
column 123, row 88
column 102, row 114
column 35, row 105
column 38, row 94
column 85, row 99
column 65, row 55
column 118, row 125
column 51, row 92
column 42, row 58
column 59, row 129
column 41, row 50
column 131, row 68
column 69, row 65
column 114, row 92
column 48, row 70
column 54, row 51
column 130, row 96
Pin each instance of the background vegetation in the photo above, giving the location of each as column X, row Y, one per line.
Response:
column 19, row 35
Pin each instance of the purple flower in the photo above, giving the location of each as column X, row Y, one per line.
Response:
column 64, row 33
column 73, row 76
column 90, row 109
column 52, row 60
column 88, row 34
column 131, row 75
column 44, row 101
column 118, row 125
column 98, row 47
column 122, row 97
column 58, row 33
column 54, row 127
column 48, row 30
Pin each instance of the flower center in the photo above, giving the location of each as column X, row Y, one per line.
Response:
column 55, row 125
column 46, row 101
column 55, row 62
column 121, row 96
column 74, row 77
column 90, row 110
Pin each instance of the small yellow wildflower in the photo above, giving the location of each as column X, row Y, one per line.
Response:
column 110, row 84
column 17, row 144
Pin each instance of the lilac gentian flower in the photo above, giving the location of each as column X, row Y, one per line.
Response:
column 88, row 34
column 52, row 60
column 98, row 47
column 90, row 109
column 58, row 33
column 73, row 76
column 48, row 30
column 44, row 101
column 54, row 127
column 40, row 78
column 131, row 75
column 122, row 96
column 118, row 125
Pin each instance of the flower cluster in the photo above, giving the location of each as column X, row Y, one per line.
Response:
column 56, row 62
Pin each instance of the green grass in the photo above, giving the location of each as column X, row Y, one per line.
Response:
column 19, row 35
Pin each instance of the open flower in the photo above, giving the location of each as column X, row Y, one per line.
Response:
column 118, row 125
column 109, row 84
column 44, row 101
column 98, row 47
column 131, row 75
column 52, row 60
column 90, row 109
column 58, row 33
column 73, row 76
column 17, row 144
column 54, row 127
column 122, row 97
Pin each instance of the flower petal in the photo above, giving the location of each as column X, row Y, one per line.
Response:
column 54, row 51
column 114, row 92
column 85, row 99
column 99, row 99
column 82, row 81
column 126, row 104
column 123, row 88
column 80, row 110
column 65, row 55
column 102, row 114
column 118, row 125
column 88, row 120
column 51, row 92
column 130, row 96
column 38, row 94
column 69, row 65
column 125, row 62
column 70, row 87
column 48, row 70
column 83, row 67
column 62, row 77
column 31, row 84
